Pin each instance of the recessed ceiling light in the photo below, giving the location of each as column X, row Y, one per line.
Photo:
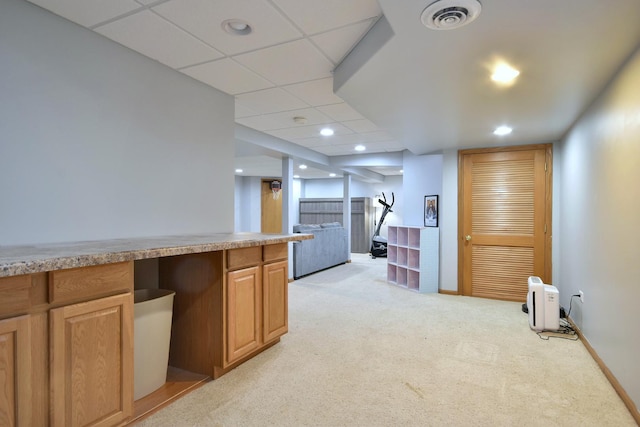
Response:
column 401, row 170
column 239, row 171
column 504, row 74
column 502, row 130
column 360, row 148
column 326, row 132
column 236, row 27
column 296, row 176
column 332, row 175
column 302, row 166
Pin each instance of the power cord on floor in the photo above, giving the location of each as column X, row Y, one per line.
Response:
column 565, row 328
column 565, row 332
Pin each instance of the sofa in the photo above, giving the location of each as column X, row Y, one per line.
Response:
column 328, row 248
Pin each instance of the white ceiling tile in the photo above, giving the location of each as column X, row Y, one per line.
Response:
column 276, row 63
column 88, row 12
column 284, row 119
column 228, row 76
column 315, row 16
column 310, row 142
column 309, row 132
column 352, row 138
column 362, row 125
column 337, row 43
column 380, row 147
column 270, row 101
column 203, row 18
column 377, row 136
column 340, row 112
column 335, row 150
column 243, row 111
column 315, row 93
column 147, row 33
column 386, row 170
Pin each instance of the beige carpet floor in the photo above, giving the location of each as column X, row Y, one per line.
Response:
column 362, row 352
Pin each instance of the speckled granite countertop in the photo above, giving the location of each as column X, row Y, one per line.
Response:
column 16, row 260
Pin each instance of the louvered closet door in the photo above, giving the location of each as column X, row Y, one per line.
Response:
column 504, row 214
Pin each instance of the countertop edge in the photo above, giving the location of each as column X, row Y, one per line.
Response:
column 19, row 260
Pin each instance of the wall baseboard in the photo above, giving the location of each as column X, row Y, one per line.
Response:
column 607, row 373
column 447, row 292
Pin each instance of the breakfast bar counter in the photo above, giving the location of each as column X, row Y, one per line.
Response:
column 27, row 259
column 67, row 320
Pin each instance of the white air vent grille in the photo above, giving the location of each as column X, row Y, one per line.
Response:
column 450, row 14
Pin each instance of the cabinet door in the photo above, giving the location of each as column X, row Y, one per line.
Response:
column 243, row 312
column 275, row 303
column 15, row 371
column 92, row 362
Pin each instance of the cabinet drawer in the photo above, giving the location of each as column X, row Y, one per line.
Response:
column 244, row 257
column 20, row 293
column 78, row 284
column 275, row 252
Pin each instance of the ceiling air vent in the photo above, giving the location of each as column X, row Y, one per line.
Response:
column 450, row 14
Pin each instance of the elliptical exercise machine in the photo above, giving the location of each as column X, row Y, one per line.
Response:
column 379, row 243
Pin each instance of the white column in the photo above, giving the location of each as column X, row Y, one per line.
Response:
column 287, row 205
column 346, row 211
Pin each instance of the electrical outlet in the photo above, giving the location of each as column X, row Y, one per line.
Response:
column 581, row 296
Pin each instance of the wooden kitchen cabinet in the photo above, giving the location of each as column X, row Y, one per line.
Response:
column 229, row 306
column 244, row 298
column 66, row 347
column 91, row 371
column 91, row 345
column 275, row 310
column 24, row 356
column 256, row 300
column 15, row 372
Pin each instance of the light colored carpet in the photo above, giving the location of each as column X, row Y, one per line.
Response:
column 362, row 352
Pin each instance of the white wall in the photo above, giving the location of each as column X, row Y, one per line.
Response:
column 448, row 222
column 97, row 141
column 599, row 169
column 422, row 177
column 248, row 194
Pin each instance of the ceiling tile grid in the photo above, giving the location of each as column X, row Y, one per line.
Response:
column 228, row 76
column 284, row 120
column 147, row 33
column 88, row 12
column 204, row 18
column 288, row 63
column 315, row 92
column 315, row 16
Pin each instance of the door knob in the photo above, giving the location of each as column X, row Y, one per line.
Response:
column 468, row 237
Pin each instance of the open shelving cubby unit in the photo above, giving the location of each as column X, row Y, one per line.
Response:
column 413, row 257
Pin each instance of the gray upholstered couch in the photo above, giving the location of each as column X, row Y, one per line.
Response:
column 327, row 248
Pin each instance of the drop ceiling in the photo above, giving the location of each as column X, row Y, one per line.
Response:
column 370, row 70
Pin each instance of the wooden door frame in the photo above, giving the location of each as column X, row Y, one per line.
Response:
column 548, row 203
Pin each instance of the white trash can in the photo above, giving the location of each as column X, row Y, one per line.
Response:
column 152, row 309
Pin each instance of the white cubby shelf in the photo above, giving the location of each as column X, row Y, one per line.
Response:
column 413, row 257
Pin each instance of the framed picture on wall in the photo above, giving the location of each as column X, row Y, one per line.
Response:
column 431, row 211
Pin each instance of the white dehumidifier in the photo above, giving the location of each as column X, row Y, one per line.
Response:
column 543, row 306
